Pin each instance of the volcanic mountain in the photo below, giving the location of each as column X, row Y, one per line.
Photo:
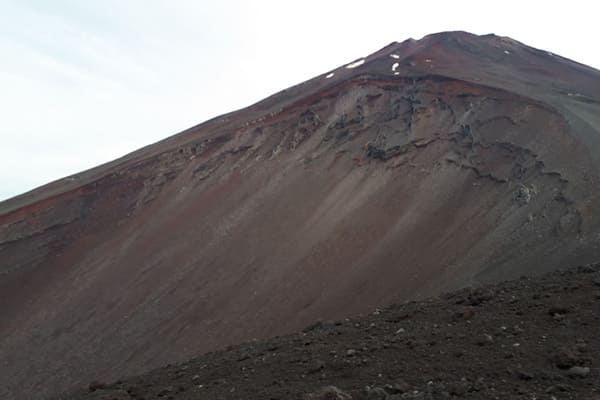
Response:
column 427, row 166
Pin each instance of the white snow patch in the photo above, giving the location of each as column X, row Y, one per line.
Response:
column 394, row 67
column 428, row 60
column 329, row 75
column 356, row 63
column 506, row 52
column 396, row 73
column 396, row 56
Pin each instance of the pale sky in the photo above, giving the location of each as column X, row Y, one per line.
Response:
column 83, row 82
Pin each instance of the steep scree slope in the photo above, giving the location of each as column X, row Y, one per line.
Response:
column 434, row 164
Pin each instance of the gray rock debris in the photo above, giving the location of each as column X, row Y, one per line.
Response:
column 328, row 393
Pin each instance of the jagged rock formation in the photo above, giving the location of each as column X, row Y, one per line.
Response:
column 427, row 166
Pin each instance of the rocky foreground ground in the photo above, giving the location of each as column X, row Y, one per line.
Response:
column 534, row 338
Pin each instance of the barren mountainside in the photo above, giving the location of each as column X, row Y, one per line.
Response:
column 427, row 166
column 524, row 339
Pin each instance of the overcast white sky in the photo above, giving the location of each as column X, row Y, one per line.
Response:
column 84, row 82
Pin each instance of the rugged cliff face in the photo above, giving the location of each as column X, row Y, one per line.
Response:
column 428, row 166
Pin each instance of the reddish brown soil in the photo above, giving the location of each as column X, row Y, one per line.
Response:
column 327, row 199
column 526, row 339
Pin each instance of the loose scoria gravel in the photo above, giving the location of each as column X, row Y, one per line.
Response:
column 535, row 338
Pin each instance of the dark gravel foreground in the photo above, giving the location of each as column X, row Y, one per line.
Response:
column 535, row 338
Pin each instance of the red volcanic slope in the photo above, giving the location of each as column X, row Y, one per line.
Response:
column 435, row 164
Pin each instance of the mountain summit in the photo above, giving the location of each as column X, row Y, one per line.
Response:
column 428, row 166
